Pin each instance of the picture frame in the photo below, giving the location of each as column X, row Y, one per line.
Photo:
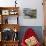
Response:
column 5, row 12
column 30, row 13
column 13, row 12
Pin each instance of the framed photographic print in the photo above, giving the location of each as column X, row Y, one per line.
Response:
column 13, row 12
column 5, row 12
column 29, row 13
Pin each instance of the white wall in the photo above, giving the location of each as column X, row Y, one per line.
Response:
column 33, row 4
column 6, row 3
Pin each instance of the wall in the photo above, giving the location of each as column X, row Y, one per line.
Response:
column 33, row 4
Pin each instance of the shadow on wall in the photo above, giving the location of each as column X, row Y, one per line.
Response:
column 37, row 29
